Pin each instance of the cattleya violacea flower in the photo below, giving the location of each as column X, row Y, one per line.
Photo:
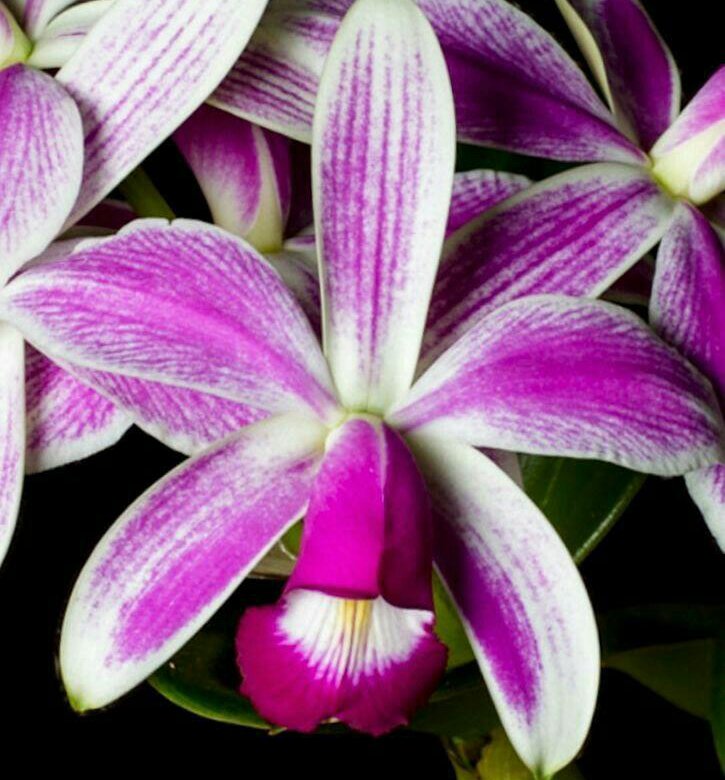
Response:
column 655, row 173
column 65, row 143
column 385, row 469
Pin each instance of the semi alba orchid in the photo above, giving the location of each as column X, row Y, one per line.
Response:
column 385, row 469
column 656, row 173
column 65, row 142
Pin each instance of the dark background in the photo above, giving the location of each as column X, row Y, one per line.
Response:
column 660, row 551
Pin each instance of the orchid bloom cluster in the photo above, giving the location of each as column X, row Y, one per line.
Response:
column 376, row 373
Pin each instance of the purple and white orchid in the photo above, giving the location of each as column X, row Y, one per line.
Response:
column 387, row 470
column 66, row 142
column 655, row 173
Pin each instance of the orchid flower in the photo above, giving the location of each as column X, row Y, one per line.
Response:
column 385, row 469
column 65, row 142
column 655, row 172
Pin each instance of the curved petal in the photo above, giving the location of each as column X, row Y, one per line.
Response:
column 630, row 61
column 298, row 269
column 41, row 159
column 243, row 171
column 521, row 599
column 688, row 293
column 65, row 420
column 383, row 153
column 707, row 488
column 183, row 304
column 142, row 69
column 34, row 15
column 476, row 191
column 690, row 157
column 561, row 376
column 572, row 234
column 172, row 559
column 12, row 431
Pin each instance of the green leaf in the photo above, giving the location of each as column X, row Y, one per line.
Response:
column 449, row 627
column 717, row 711
column 581, row 498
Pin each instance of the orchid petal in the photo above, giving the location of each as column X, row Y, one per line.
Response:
column 383, row 154
column 690, row 157
column 688, row 294
column 298, row 269
column 12, row 432
column 707, row 488
column 64, row 34
column 572, row 234
column 142, row 69
column 631, row 62
column 561, row 376
column 41, row 158
column 476, row 191
column 183, row 304
column 34, row 15
column 521, row 599
column 66, row 420
column 243, row 171
column 173, row 558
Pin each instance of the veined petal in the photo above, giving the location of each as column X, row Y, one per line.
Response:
column 176, row 555
column 183, row 419
column 572, row 234
column 183, row 304
column 516, row 88
column 631, row 62
column 65, row 419
column 41, row 158
column 476, row 191
column 689, row 158
column 707, row 488
column 688, row 294
column 12, row 431
column 521, row 599
column 562, row 376
column 34, row 15
column 142, row 69
column 243, row 171
column 383, row 154
column 65, row 33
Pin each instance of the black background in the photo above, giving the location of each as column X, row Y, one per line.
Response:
column 659, row 552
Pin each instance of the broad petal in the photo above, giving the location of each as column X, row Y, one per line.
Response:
column 142, row 69
column 690, row 157
column 521, row 599
column 243, row 171
column 476, row 191
column 65, row 419
column 183, row 304
column 41, row 159
column 176, row 555
column 383, row 153
column 707, row 488
column 561, row 376
column 631, row 62
column 688, row 294
column 12, row 431
column 572, row 234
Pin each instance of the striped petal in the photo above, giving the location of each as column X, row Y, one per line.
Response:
column 65, row 419
column 688, row 294
column 476, row 191
column 572, row 234
column 143, row 68
column 521, row 599
column 382, row 164
column 561, row 376
column 12, row 431
column 41, row 159
column 183, row 304
column 630, row 61
column 707, row 488
column 689, row 159
column 243, row 171
column 177, row 554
